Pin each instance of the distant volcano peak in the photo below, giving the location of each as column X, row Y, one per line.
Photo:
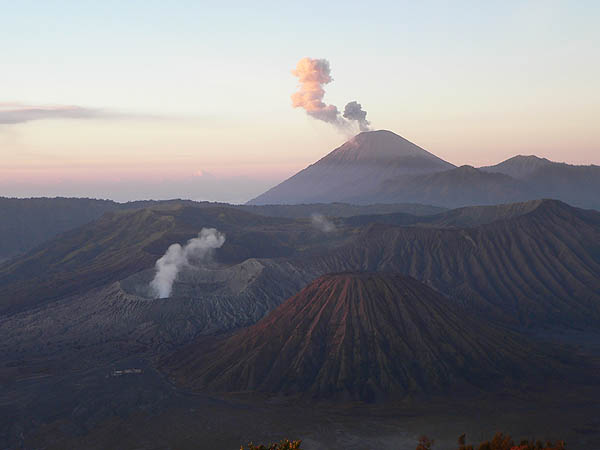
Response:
column 520, row 166
column 380, row 145
column 529, row 158
column 354, row 170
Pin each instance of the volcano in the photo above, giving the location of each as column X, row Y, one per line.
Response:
column 381, row 167
column 354, row 170
column 365, row 336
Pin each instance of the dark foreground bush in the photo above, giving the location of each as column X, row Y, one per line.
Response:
column 498, row 442
column 283, row 445
column 505, row 442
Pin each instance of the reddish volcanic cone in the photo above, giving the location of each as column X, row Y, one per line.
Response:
column 357, row 335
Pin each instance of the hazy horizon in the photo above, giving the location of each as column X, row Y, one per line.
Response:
column 140, row 100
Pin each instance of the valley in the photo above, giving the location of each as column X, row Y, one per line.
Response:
column 480, row 272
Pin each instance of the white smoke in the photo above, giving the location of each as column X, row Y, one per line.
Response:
column 320, row 222
column 198, row 250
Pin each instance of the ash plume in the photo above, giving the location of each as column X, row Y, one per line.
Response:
column 323, row 224
column 312, row 75
column 197, row 250
column 354, row 111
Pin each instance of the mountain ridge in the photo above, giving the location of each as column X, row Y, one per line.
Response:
column 26, row 223
column 540, row 267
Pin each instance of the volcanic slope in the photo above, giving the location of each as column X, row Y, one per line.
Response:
column 123, row 243
column 354, row 170
column 359, row 336
column 538, row 268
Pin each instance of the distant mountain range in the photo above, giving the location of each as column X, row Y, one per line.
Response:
column 25, row 223
column 382, row 167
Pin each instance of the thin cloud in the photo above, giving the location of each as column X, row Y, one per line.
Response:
column 15, row 113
